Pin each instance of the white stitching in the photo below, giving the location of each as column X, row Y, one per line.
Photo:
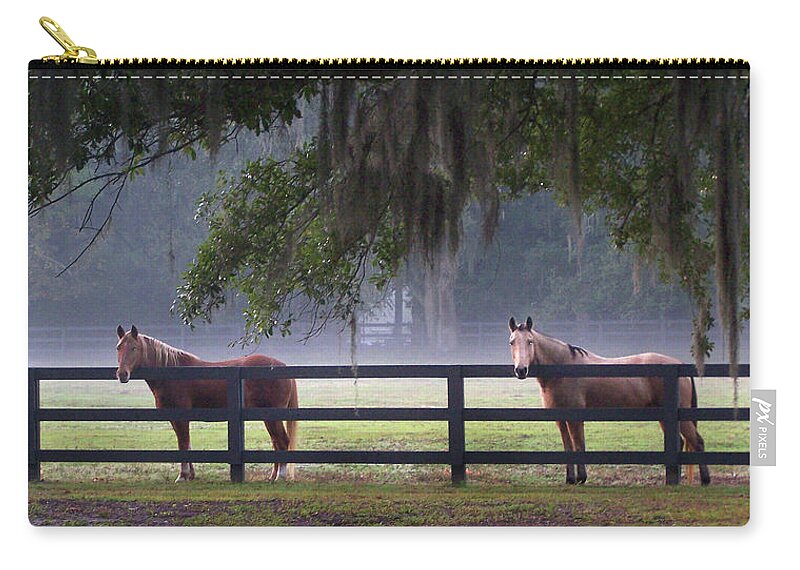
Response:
column 388, row 77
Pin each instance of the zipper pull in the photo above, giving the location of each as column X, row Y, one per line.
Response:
column 72, row 52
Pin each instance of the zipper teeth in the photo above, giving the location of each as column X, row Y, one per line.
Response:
column 581, row 63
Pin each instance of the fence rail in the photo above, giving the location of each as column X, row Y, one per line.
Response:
column 455, row 414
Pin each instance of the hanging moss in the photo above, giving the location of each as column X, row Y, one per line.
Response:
column 411, row 147
column 726, row 227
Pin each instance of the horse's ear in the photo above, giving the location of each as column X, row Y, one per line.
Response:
column 120, row 331
column 512, row 324
column 134, row 332
column 529, row 324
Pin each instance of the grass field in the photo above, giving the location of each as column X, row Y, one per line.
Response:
column 380, row 494
column 370, row 504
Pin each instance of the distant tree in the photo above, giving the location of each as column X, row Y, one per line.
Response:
column 135, row 263
column 532, row 267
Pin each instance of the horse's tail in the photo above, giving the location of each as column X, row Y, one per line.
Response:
column 291, row 429
column 291, row 425
column 690, row 467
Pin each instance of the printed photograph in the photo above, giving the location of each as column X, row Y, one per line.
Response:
column 360, row 293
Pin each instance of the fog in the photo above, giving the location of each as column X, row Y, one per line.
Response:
column 85, row 345
column 129, row 276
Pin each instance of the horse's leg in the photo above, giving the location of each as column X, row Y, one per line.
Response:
column 694, row 442
column 578, row 444
column 184, row 444
column 280, row 442
column 689, row 468
column 683, row 443
column 274, row 474
column 562, row 427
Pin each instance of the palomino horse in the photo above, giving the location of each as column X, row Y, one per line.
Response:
column 136, row 350
column 530, row 347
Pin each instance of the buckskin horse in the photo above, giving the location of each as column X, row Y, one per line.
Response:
column 530, row 347
column 135, row 350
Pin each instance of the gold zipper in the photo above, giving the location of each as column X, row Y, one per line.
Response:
column 72, row 53
column 83, row 55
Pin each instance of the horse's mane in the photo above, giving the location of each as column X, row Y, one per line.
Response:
column 579, row 349
column 573, row 348
column 166, row 355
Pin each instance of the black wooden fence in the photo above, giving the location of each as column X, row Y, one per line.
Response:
column 455, row 414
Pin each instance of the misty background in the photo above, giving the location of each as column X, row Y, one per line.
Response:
column 612, row 304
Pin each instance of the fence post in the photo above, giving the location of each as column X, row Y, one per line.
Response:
column 455, row 425
column 672, row 437
column 235, row 424
column 34, row 433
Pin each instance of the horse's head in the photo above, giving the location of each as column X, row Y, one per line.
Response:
column 130, row 349
column 522, row 346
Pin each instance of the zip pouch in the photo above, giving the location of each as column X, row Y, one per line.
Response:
column 366, row 290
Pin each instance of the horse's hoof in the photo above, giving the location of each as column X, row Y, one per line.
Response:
column 571, row 481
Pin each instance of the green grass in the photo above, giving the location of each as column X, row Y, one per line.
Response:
column 353, row 435
column 123, row 503
column 356, row 435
